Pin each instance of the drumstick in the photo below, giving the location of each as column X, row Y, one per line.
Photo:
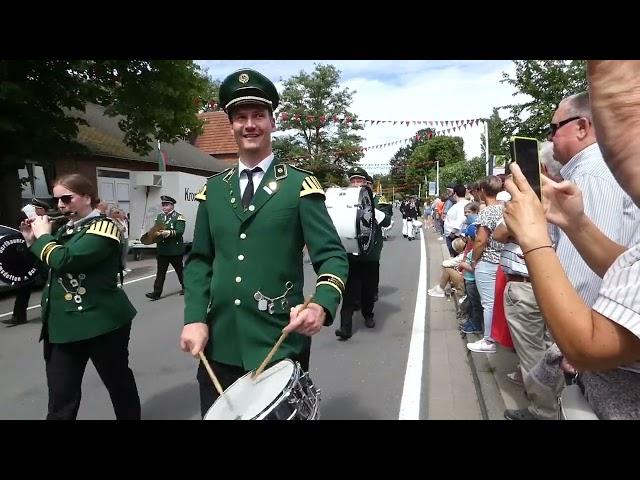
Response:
column 277, row 345
column 214, row 379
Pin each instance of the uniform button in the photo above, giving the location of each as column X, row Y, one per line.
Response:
column 243, row 236
column 233, row 200
column 237, row 302
column 252, row 208
column 238, row 279
column 47, row 284
column 241, row 257
column 80, row 307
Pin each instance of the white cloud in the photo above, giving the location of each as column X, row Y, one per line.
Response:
column 404, row 90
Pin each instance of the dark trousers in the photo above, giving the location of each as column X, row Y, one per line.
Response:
column 65, row 365
column 475, row 305
column 163, row 264
column 228, row 374
column 376, row 280
column 360, row 289
column 22, row 302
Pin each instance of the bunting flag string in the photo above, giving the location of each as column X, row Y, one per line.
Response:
column 324, row 119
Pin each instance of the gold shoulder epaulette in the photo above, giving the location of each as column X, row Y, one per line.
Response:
column 311, row 185
column 301, row 169
column 201, row 196
column 181, row 218
column 105, row 228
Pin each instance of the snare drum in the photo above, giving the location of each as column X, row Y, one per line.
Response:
column 352, row 212
column 281, row 392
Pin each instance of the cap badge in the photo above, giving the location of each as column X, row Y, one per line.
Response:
column 243, row 78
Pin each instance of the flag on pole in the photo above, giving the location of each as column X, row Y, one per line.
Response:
column 162, row 159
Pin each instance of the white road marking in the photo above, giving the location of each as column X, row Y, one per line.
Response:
column 410, row 403
column 125, row 283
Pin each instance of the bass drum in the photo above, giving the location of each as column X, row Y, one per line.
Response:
column 352, row 212
column 17, row 264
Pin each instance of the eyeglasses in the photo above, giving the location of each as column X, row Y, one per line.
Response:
column 66, row 199
column 554, row 127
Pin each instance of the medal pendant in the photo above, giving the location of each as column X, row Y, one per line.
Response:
column 68, row 297
column 262, row 305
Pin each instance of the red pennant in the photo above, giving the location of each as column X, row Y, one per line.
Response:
column 430, row 135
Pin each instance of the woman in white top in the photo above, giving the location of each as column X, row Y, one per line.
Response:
column 602, row 342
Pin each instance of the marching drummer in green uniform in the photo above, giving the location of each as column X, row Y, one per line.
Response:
column 364, row 270
column 84, row 313
column 244, row 276
column 170, row 247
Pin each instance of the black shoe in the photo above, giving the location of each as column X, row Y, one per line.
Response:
column 14, row 321
column 410, row 239
column 182, row 292
column 343, row 334
column 369, row 322
column 522, row 414
column 152, row 296
column 356, row 307
column 405, row 236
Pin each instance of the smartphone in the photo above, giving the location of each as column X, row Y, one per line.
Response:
column 524, row 152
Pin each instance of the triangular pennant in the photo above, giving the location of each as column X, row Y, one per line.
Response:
column 477, row 121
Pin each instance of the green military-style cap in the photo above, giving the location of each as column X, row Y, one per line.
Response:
column 248, row 86
column 357, row 172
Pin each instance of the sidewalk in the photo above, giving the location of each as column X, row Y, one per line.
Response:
column 454, row 369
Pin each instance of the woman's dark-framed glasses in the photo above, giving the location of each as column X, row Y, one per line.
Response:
column 554, row 127
column 66, row 199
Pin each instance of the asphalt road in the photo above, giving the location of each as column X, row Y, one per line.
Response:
column 362, row 378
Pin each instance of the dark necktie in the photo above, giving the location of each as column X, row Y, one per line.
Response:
column 247, row 196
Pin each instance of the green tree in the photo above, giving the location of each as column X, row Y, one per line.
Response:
column 308, row 106
column 443, row 149
column 498, row 136
column 546, row 82
column 462, row 173
column 158, row 99
column 400, row 159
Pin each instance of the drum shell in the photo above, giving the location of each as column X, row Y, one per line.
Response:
column 297, row 400
column 345, row 207
column 17, row 265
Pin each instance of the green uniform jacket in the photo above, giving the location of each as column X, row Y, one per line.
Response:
column 84, row 263
column 173, row 244
column 378, row 242
column 238, row 252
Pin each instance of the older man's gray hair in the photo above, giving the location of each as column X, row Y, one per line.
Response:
column 550, row 165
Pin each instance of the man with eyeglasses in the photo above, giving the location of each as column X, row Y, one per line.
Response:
column 605, row 203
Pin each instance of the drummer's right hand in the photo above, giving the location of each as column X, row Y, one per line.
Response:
column 194, row 338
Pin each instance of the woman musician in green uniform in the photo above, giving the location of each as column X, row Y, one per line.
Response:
column 84, row 313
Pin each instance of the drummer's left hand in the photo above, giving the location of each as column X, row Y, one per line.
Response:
column 306, row 322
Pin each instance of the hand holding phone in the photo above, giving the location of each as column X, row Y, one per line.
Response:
column 524, row 152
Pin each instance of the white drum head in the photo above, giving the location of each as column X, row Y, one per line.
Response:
column 247, row 398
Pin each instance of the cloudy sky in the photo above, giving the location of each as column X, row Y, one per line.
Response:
column 402, row 90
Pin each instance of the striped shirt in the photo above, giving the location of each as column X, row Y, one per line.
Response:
column 608, row 207
column 619, row 298
column 512, row 260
